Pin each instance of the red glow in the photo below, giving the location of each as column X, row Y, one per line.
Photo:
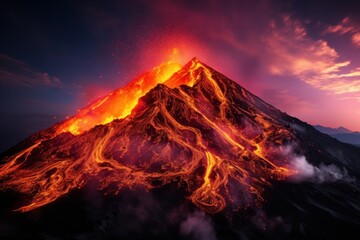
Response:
column 119, row 103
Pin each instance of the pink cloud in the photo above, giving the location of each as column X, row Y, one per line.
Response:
column 293, row 52
column 346, row 26
column 356, row 39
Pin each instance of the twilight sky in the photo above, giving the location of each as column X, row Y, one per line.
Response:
column 302, row 56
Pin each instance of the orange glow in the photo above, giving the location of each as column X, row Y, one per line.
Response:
column 119, row 103
column 177, row 133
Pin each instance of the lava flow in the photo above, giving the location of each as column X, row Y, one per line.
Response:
column 190, row 125
column 119, row 103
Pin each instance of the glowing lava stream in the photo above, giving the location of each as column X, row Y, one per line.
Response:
column 54, row 176
column 119, row 103
column 12, row 164
column 207, row 197
column 220, row 95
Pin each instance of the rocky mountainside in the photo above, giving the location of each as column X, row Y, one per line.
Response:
column 224, row 149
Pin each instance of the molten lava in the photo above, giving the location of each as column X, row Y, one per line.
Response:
column 119, row 103
column 190, row 125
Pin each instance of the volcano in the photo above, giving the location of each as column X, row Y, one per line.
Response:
column 226, row 155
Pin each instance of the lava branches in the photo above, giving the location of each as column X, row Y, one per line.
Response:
column 190, row 130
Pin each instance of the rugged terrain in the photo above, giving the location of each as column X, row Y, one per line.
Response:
column 186, row 147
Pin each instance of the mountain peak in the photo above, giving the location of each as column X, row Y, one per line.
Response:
column 329, row 130
column 195, row 59
column 189, row 74
column 343, row 129
column 193, row 64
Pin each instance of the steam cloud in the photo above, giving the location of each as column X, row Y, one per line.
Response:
column 307, row 172
column 319, row 174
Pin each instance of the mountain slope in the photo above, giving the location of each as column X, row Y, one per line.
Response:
column 223, row 146
column 185, row 132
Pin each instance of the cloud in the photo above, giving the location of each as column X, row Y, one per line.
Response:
column 356, row 39
column 294, row 53
column 307, row 172
column 346, row 26
column 319, row 174
column 16, row 72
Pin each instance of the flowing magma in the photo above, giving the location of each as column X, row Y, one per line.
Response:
column 190, row 125
column 119, row 103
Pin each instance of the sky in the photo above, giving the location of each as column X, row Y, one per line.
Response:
column 301, row 56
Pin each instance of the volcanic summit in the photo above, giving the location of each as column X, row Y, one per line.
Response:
column 188, row 125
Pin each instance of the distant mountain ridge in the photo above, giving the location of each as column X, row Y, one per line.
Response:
column 342, row 134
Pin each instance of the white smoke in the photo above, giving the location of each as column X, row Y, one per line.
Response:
column 199, row 226
column 319, row 174
column 308, row 172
